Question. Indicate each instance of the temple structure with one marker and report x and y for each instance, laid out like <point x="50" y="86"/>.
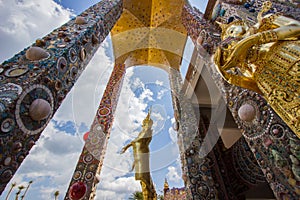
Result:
<point x="174" y="193"/>
<point x="251" y="153"/>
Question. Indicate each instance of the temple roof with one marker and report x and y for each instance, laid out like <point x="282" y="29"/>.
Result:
<point x="150" y="32"/>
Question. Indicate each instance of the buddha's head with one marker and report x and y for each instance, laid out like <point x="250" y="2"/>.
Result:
<point x="234" y="29"/>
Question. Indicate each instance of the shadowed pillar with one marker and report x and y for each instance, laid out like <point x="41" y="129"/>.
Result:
<point x="197" y="175"/>
<point x="274" y="145"/>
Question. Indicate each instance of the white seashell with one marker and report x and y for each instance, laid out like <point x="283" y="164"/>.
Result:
<point x="39" y="109"/>
<point x="36" y="53"/>
<point x="247" y="112"/>
<point x="80" y="20"/>
<point x="7" y="161"/>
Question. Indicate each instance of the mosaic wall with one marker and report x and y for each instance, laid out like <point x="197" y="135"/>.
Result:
<point x="274" y="145"/>
<point x="201" y="31"/>
<point x="196" y="168"/>
<point x="35" y="81"/>
<point x="228" y="11"/>
<point x="175" y="193"/>
<point x="87" y="171"/>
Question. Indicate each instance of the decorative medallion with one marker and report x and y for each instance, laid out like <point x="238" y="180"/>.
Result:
<point x="104" y="111"/>
<point x="203" y="190"/>
<point x="24" y="121"/>
<point x="89" y="176"/>
<point x="62" y="65"/>
<point x="6" y="175"/>
<point x="73" y="72"/>
<point x="93" y="167"/>
<point x="97" y="152"/>
<point x="88" y="158"/>
<point x="72" y="55"/>
<point x="77" y="175"/>
<point x="194" y="172"/>
<point x="254" y="116"/>
<point x="95" y="141"/>
<point x="7" y="125"/>
<point x="277" y="131"/>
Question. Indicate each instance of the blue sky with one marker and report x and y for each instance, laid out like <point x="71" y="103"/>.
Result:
<point x="78" y="5"/>
<point x="51" y="162"/>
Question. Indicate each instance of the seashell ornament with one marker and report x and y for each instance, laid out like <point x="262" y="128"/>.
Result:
<point x="247" y="112"/>
<point x="36" y="53"/>
<point x="80" y="20"/>
<point x="39" y="109"/>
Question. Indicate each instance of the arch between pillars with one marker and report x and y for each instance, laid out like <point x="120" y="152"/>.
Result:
<point x="102" y="131"/>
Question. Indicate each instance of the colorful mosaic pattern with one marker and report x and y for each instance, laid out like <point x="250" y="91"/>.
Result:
<point x="46" y="71"/>
<point x="274" y="145"/>
<point x="201" y="31"/>
<point x="175" y="193"/>
<point x="248" y="11"/>
<point x="91" y="159"/>
<point x="196" y="169"/>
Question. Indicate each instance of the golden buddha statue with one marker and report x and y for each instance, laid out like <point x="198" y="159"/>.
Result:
<point x="140" y="147"/>
<point x="265" y="58"/>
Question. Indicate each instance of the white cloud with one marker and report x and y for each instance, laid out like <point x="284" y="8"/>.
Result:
<point x="147" y="94"/>
<point x="50" y="164"/>
<point x="137" y="84"/>
<point x="85" y="96"/>
<point x="160" y="83"/>
<point x="161" y="93"/>
<point x="173" y="175"/>
<point x="22" y="22"/>
<point x="119" y="188"/>
<point x="158" y="116"/>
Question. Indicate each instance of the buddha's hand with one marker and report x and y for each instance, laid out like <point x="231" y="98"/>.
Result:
<point x="122" y="151"/>
<point x="125" y="148"/>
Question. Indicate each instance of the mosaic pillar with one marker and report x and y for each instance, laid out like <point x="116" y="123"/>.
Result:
<point x="273" y="144"/>
<point x="87" y="171"/>
<point x="34" y="82"/>
<point x="197" y="175"/>
<point x="229" y="11"/>
<point x="202" y="31"/>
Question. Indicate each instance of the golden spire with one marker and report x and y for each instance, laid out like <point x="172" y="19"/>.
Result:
<point x="147" y="119"/>
<point x="166" y="186"/>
